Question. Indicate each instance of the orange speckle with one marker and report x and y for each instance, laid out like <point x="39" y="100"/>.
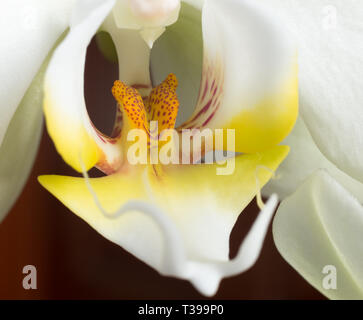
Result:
<point x="128" y="98"/>
<point x="162" y="104"/>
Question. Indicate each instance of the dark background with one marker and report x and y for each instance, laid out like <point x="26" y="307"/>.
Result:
<point x="74" y="262"/>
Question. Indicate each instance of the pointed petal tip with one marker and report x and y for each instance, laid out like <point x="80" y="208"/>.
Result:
<point x="208" y="287"/>
<point x="48" y="182"/>
<point x="205" y="277"/>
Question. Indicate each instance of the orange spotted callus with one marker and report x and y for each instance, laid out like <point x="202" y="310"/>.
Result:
<point x="162" y="104"/>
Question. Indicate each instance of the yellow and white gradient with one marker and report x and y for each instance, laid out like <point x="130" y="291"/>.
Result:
<point x="258" y="98"/>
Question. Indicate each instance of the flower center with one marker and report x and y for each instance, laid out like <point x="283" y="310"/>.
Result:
<point x="161" y="106"/>
<point x="154" y="115"/>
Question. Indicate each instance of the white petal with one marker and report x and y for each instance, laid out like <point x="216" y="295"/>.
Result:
<point x="305" y="158"/>
<point x="320" y="225"/>
<point x="65" y="111"/>
<point x="254" y="49"/>
<point x="207" y="276"/>
<point x="28" y="31"/>
<point x="330" y="36"/>
<point x="204" y="275"/>
<point x="249" y="76"/>
<point x="20" y="144"/>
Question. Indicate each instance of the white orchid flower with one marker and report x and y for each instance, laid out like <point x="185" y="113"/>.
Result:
<point x="176" y="218"/>
<point x="250" y="63"/>
<point x="321" y="223"/>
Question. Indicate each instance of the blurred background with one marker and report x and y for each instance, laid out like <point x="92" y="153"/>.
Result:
<point x="74" y="262"/>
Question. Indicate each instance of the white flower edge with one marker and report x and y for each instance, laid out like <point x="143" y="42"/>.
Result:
<point x="321" y="225"/>
<point x="174" y="261"/>
<point x="28" y="31"/>
<point x="28" y="28"/>
<point x="304" y="159"/>
<point x="20" y="144"/>
<point x="330" y="46"/>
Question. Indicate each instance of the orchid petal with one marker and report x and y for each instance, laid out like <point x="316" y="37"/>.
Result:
<point x="207" y="276"/>
<point x="330" y="38"/>
<point x="305" y="158"/>
<point x="28" y="31"/>
<point x="208" y="214"/>
<point x="65" y="111"/>
<point x="321" y="225"/>
<point x="31" y="26"/>
<point x="20" y="144"/>
<point x="202" y="206"/>
<point x="249" y="77"/>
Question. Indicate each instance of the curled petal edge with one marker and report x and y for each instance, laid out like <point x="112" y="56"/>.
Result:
<point x="205" y="276"/>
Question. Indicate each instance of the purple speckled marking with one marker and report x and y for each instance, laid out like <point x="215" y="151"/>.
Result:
<point x="210" y="93"/>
